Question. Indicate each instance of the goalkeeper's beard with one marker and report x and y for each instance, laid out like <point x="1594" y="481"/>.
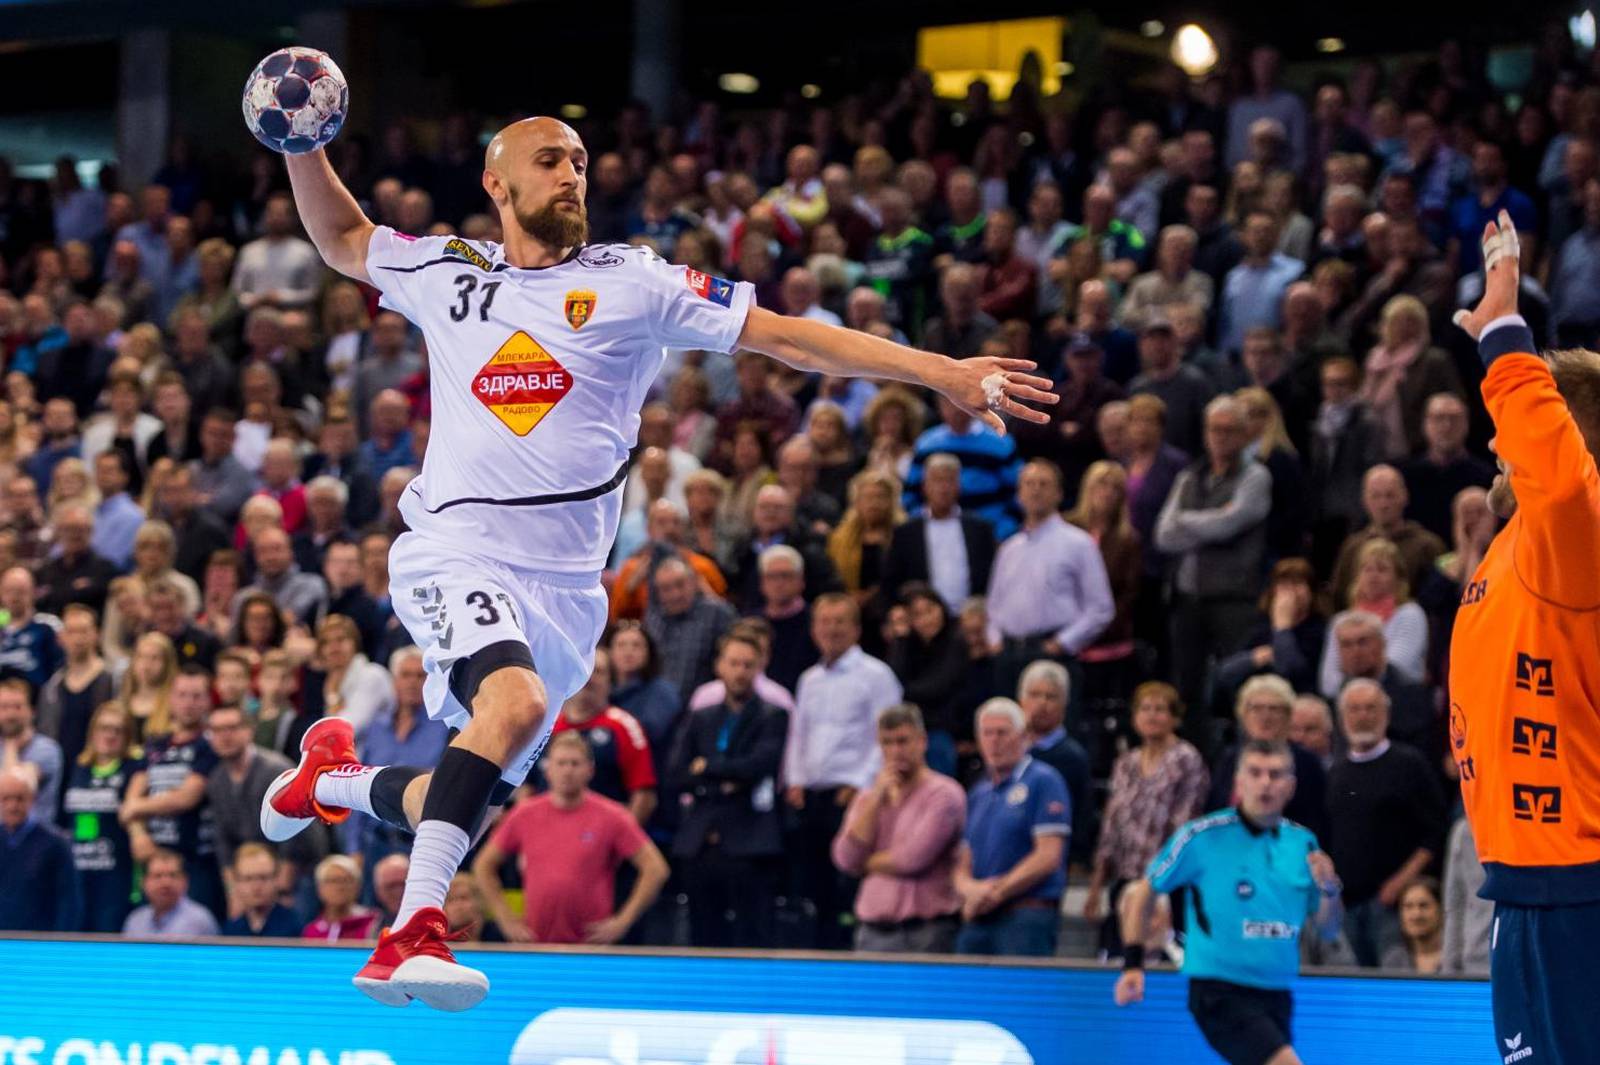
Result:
<point x="557" y="228"/>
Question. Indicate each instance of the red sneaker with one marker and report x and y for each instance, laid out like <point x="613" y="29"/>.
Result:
<point x="414" y="963"/>
<point x="291" y="802"/>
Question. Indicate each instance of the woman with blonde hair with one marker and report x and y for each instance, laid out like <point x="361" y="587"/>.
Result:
<point x="829" y="433"/>
<point x="215" y="297"/>
<point x="95" y="785"/>
<point x="704" y="491"/>
<point x="125" y="595"/>
<point x="147" y="686"/>
<point x="1289" y="520"/>
<point x="17" y="442"/>
<point x="1102" y="512"/>
<point x="859" y="545"/>
<point x="891" y="425"/>
<point x="1401" y="371"/>
<point x="1380" y="588"/>
<point x="353" y="687"/>
<point x="71" y="483"/>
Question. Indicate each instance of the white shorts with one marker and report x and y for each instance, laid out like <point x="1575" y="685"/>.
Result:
<point x="455" y="602"/>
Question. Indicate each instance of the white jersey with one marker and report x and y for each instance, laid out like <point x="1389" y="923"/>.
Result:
<point x="537" y="378"/>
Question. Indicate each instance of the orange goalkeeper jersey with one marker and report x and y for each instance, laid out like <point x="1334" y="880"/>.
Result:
<point x="1525" y="657"/>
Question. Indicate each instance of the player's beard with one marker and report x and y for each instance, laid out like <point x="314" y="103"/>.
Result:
<point x="1502" y="501"/>
<point x="553" y="226"/>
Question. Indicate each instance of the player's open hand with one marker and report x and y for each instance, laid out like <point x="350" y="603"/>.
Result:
<point x="1502" y="273"/>
<point x="1130" y="987"/>
<point x="988" y="387"/>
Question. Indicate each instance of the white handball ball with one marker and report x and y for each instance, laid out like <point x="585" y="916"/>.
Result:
<point x="295" y="100"/>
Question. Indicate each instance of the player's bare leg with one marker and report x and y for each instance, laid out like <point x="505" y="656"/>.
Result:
<point x="1285" y="1056"/>
<point x="446" y="808"/>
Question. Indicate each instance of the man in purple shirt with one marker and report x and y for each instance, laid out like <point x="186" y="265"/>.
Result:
<point x="1049" y="596"/>
<point x="902" y="835"/>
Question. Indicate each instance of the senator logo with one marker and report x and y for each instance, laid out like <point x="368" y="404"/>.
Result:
<point x="521" y="383"/>
<point x="1533" y="737"/>
<point x="1530" y="802"/>
<point x="570" y="1036"/>
<point x="579" y="307"/>
<point x="462" y="250"/>
<point x="1536" y="675"/>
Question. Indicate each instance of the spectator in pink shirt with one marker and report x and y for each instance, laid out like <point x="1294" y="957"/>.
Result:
<point x="902" y="834"/>
<point x="338" y="886"/>
<point x="715" y="692"/>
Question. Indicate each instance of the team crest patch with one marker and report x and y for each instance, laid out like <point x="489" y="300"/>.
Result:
<point x="462" y="250"/>
<point x="521" y="383"/>
<point x="579" y="307"/>
<point x="715" y="289"/>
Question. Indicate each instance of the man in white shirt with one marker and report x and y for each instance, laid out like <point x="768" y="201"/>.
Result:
<point x="1049" y="596"/>
<point x="280" y="269"/>
<point x="950" y="550"/>
<point x="832" y="753"/>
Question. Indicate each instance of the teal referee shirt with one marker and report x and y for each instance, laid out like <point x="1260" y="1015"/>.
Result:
<point x="1250" y="894"/>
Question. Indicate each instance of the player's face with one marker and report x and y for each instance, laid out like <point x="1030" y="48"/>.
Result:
<point x="1265" y="784"/>
<point x="544" y="182"/>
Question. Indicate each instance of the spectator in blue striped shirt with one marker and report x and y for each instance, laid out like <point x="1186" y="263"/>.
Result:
<point x="989" y="466"/>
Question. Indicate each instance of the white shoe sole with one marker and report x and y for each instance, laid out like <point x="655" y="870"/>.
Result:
<point x="431" y="981"/>
<point x="278" y="827"/>
<point x="275" y="826"/>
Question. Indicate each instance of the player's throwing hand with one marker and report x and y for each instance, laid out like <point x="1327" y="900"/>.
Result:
<point x="988" y="387"/>
<point x="1130" y="987"/>
<point x="1502" y="274"/>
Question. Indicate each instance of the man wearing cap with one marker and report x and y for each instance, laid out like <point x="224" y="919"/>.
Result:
<point x="1184" y="389"/>
<point x="1069" y="439"/>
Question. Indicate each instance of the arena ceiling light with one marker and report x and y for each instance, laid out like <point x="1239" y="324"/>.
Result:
<point x="1152" y="27"/>
<point x="1193" y="50"/>
<point x="739" y="84"/>
<point x="1582" y="29"/>
<point x="1330" y="45"/>
<point x="574" y="111"/>
<point x="811" y="90"/>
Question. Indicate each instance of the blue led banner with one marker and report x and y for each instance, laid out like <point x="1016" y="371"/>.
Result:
<point x="101" y="1003"/>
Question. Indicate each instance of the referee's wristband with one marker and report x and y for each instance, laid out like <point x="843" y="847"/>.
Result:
<point x="1133" y="956"/>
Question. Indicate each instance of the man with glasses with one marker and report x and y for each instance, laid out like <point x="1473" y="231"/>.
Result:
<point x="255" y="876"/>
<point x="1264" y="710"/>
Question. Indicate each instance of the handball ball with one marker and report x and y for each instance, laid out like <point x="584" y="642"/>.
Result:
<point x="295" y="100"/>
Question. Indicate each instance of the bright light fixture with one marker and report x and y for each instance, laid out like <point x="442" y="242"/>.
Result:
<point x="1193" y="50"/>
<point x="810" y="90"/>
<point x="1582" y="29"/>
<point x="741" y="84"/>
<point x="1329" y="45"/>
<point x="574" y="111"/>
<point x="1152" y="27"/>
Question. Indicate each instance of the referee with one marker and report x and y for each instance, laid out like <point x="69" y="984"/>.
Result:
<point x="1254" y="879"/>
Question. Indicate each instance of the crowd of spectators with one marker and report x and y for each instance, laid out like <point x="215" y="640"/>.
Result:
<point x="876" y="673"/>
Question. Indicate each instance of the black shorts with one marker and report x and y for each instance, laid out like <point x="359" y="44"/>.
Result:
<point x="1246" y="1025"/>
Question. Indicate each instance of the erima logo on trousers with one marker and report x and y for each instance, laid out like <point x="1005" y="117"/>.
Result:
<point x="1518" y="1051"/>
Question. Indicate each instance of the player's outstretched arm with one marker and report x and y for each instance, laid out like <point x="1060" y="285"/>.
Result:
<point x="984" y="387"/>
<point x="332" y="217"/>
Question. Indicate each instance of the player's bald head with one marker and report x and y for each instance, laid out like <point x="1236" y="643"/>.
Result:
<point x="524" y="136"/>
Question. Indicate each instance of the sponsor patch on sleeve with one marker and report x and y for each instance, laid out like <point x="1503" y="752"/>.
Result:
<point x="715" y="289"/>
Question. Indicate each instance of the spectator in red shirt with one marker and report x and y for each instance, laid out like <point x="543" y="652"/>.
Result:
<point x="280" y="468"/>
<point x="623" y="769"/>
<point x="576" y="840"/>
<point x="1008" y="283"/>
<point x="338" y="886"/>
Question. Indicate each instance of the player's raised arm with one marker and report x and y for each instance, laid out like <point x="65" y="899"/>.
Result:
<point x="333" y="219"/>
<point x="983" y="387"/>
